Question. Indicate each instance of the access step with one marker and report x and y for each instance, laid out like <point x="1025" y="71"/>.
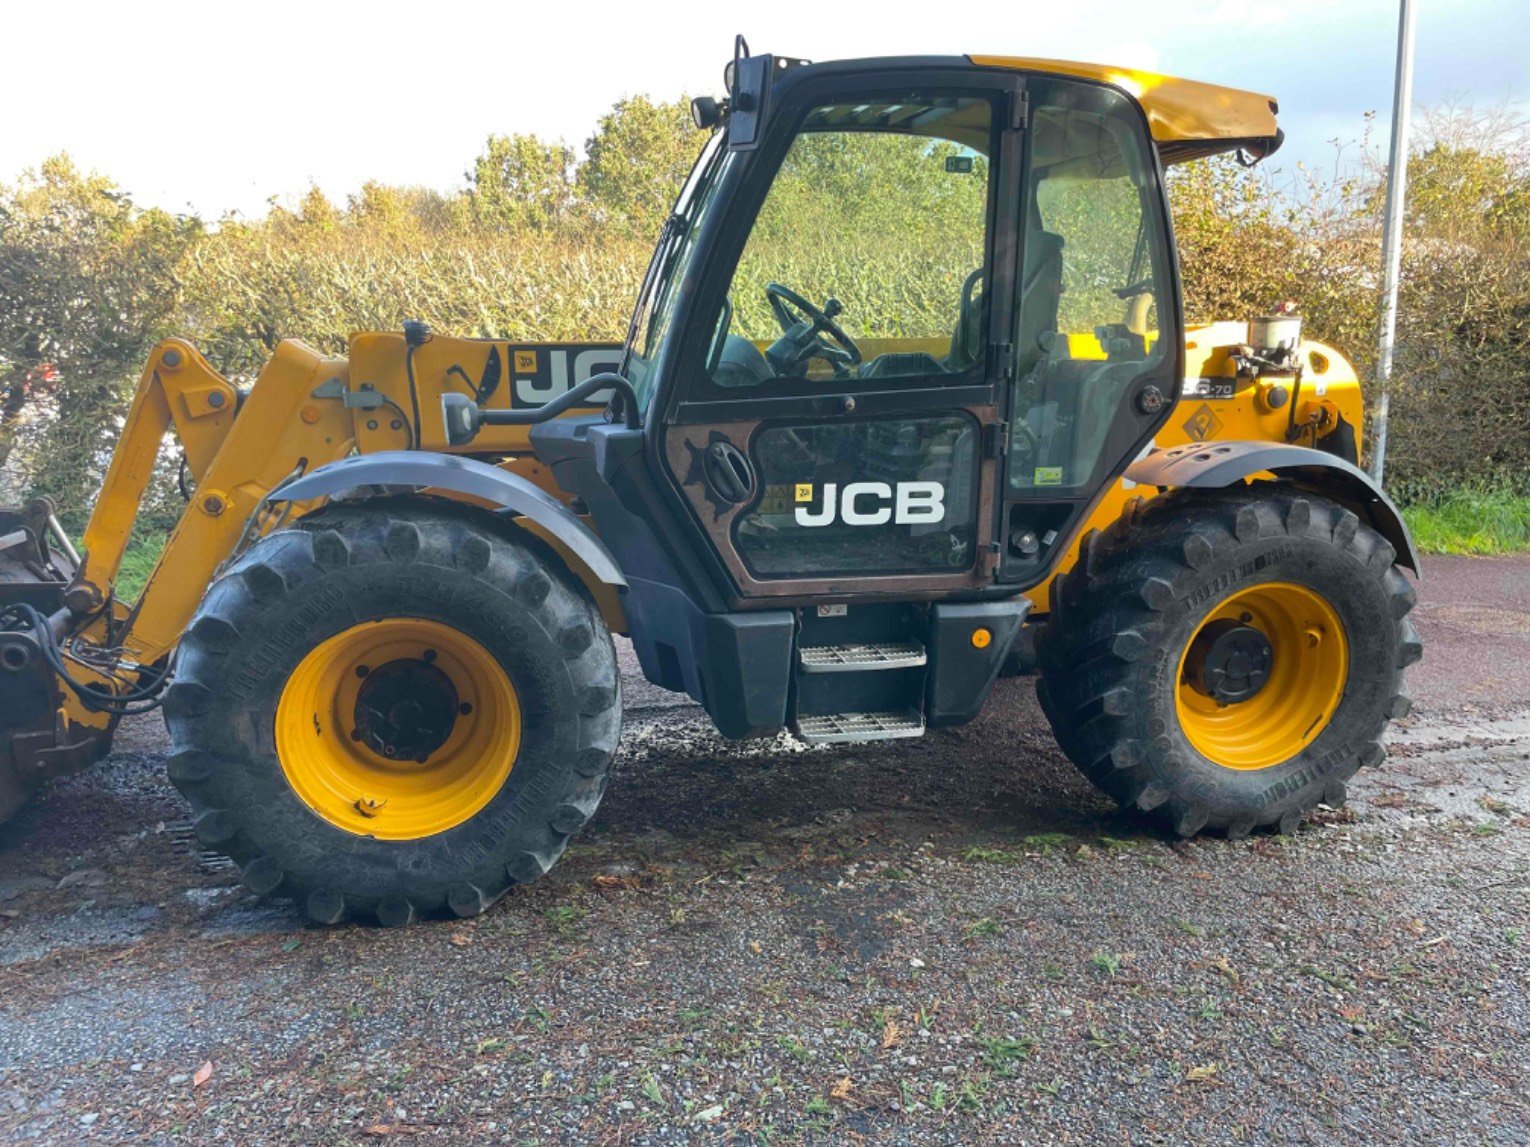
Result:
<point x="858" y="656"/>
<point x="842" y="728"/>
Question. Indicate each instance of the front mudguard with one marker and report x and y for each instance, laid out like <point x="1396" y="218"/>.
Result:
<point x="425" y="470"/>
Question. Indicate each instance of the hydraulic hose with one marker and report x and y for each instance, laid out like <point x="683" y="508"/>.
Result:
<point x="143" y="699"/>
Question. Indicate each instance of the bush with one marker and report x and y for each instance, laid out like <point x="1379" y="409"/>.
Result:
<point x="1461" y="406"/>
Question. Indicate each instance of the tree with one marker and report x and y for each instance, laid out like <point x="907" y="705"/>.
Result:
<point x="520" y="181"/>
<point x="396" y="210"/>
<point x="635" y="164"/>
<point x="88" y="283"/>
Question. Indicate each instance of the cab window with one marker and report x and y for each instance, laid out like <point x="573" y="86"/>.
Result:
<point x="653" y="323"/>
<point x="865" y="261"/>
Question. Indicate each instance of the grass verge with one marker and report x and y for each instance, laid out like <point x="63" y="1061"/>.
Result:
<point x="1471" y="522"/>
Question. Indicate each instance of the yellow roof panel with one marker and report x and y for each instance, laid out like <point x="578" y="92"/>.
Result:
<point x="1178" y="111"/>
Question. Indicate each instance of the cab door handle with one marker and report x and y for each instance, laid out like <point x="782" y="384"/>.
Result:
<point x="728" y="472"/>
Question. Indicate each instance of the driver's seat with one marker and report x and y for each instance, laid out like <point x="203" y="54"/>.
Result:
<point x="1040" y="301"/>
<point x="741" y="364"/>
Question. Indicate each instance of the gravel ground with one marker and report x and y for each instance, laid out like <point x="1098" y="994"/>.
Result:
<point x="945" y="941"/>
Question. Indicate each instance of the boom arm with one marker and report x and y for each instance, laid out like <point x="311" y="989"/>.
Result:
<point x="281" y="430"/>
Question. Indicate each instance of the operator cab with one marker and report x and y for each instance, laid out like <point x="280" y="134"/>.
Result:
<point x="908" y="321"/>
<point x="914" y="271"/>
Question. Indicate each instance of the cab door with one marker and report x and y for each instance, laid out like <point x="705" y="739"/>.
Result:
<point x="1098" y="348"/>
<point x="835" y="423"/>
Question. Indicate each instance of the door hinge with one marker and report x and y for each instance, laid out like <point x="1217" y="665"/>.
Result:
<point x="988" y="559"/>
<point x="1003" y="360"/>
<point x="1019" y="110"/>
<point x="996" y="440"/>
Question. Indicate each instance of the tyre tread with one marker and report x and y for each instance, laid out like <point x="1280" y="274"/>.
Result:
<point x="1104" y="612"/>
<point x="399" y="532"/>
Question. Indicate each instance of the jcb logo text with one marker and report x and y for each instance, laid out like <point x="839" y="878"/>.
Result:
<point x="876" y="504"/>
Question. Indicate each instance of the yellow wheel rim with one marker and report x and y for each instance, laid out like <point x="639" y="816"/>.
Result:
<point x="1306" y="668"/>
<point x="397" y="729"/>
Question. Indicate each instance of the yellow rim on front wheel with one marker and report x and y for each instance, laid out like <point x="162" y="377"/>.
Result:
<point x="1262" y="675"/>
<point x="398" y="729"/>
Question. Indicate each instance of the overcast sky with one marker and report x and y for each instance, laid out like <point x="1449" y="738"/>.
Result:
<point x="216" y="105"/>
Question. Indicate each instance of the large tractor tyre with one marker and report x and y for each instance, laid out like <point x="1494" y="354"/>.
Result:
<point x="1228" y="659"/>
<point x="394" y="708"/>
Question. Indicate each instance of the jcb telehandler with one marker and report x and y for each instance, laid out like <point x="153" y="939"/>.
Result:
<point x="906" y="395"/>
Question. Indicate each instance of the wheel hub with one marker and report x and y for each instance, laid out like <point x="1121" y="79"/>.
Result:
<point x="405" y="709"/>
<point x="1230" y="661"/>
<point x="398" y="729"/>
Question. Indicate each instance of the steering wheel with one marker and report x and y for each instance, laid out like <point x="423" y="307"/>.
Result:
<point x="820" y="319"/>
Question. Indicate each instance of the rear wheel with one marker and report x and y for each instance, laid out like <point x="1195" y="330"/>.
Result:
<point x="394" y="709"/>
<point x="1228" y="659"/>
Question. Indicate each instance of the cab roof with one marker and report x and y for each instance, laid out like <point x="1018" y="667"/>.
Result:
<point x="1188" y="119"/>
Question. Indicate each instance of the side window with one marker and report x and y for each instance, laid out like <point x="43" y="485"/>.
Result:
<point x="866" y="258"/>
<point x="1095" y="267"/>
<point x="653" y="324"/>
<point x="1107" y="287"/>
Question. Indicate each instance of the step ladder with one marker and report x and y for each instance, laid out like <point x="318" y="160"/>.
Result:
<point x="849" y="728"/>
<point x="858" y="691"/>
<point x="857" y="656"/>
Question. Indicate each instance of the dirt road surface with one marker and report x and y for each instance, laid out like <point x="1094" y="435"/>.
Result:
<point x="953" y="940"/>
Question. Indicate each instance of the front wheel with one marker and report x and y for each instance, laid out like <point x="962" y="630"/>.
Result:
<point x="394" y="709"/>
<point x="1228" y="659"/>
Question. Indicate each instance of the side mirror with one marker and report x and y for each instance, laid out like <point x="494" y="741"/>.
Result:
<point x="749" y="81"/>
<point x="748" y="92"/>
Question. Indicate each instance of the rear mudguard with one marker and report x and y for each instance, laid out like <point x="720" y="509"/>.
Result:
<point x="465" y="476"/>
<point x="1209" y="466"/>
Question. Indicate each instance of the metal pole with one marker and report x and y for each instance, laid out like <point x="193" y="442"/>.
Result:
<point x="1392" y="231"/>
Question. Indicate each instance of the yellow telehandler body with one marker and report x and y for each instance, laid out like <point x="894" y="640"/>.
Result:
<point x="381" y="630"/>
